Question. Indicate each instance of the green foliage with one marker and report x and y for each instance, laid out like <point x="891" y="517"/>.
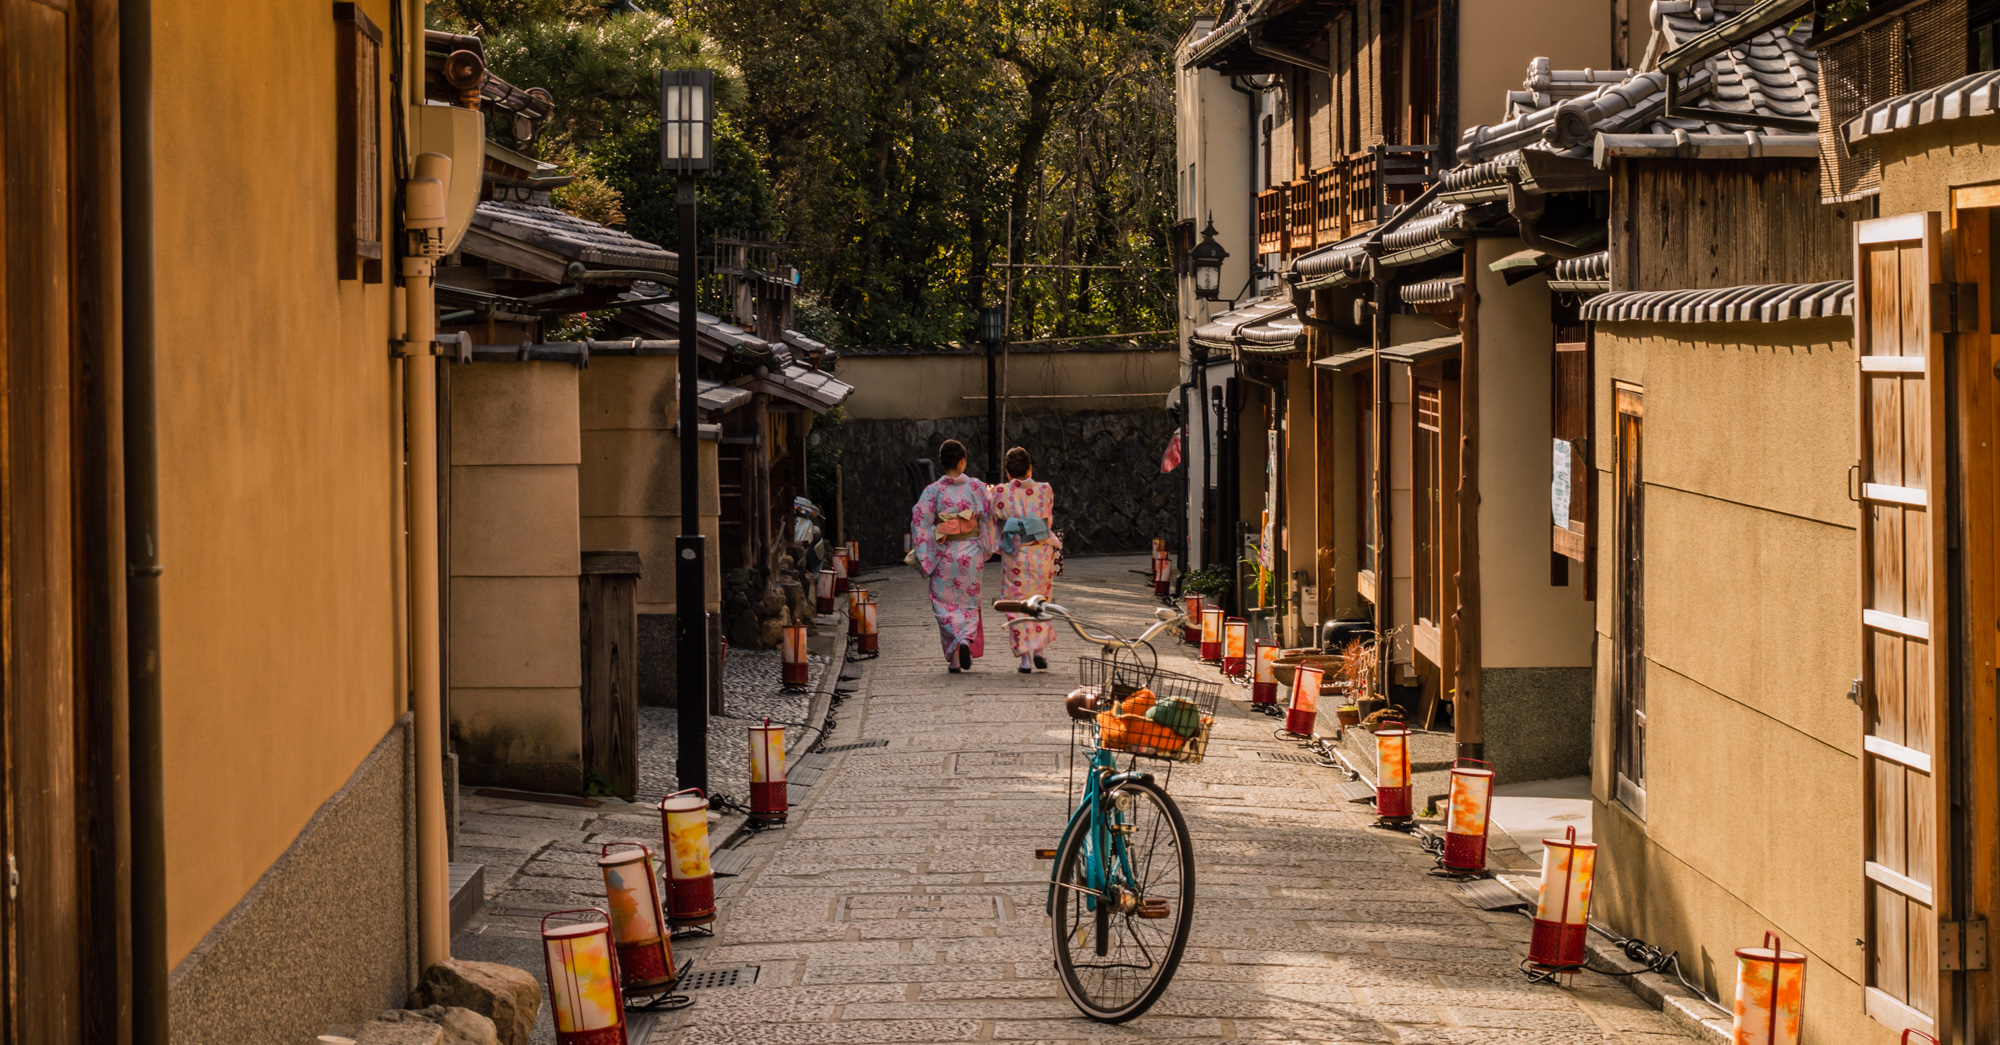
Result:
<point x="1213" y="580"/>
<point x="735" y="195"/>
<point x="823" y="458"/>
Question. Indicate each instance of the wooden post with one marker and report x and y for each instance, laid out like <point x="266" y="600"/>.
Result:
<point x="1385" y="572"/>
<point x="609" y="592"/>
<point x="1466" y="724"/>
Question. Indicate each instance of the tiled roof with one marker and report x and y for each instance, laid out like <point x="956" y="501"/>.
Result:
<point x="1434" y="292"/>
<point x="571" y="237"/>
<point x="1270" y="323"/>
<point x="662" y="320"/>
<point x="1587" y="274"/>
<point x="1768" y="303"/>
<point x="815" y="390"/>
<point x="1771" y="74"/>
<point x="1960" y="99"/>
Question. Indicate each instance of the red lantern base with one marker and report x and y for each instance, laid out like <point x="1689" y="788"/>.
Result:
<point x="1263" y="693"/>
<point x="1232" y="666"/>
<point x="646" y="966"/>
<point x="870" y="644"/>
<point x="1392" y="801"/>
<point x="823" y="606"/>
<point x="768" y="800"/>
<point x="1160" y="588"/>
<point x="796" y="675"/>
<point x="600" y="1036"/>
<point x="1300" y="722"/>
<point x="1211" y="652"/>
<point x="1556" y="945"/>
<point x="840" y="585"/>
<point x="691" y="898"/>
<point x="1464" y="852"/>
<point x="1191" y="635"/>
<point x="854" y="627"/>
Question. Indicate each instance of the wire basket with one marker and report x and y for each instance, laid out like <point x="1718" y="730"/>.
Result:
<point x="1149" y="712"/>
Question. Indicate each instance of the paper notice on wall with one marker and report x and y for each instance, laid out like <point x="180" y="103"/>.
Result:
<point x="1559" y="487"/>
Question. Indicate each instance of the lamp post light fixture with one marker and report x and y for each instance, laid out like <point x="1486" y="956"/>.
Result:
<point x="1205" y="260"/>
<point x="687" y="150"/>
<point x="992" y="334"/>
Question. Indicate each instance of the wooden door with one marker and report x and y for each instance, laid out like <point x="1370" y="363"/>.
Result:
<point x="1628" y="666"/>
<point x="1904" y="684"/>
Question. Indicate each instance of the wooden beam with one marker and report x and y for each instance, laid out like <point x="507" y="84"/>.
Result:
<point x="1467" y="722"/>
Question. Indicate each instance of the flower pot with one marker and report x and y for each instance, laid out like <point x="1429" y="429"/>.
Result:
<point x="1348" y="714"/>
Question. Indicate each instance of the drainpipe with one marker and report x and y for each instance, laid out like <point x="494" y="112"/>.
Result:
<point x="1466" y="718"/>
<point x="424" y="221"/>
<point x="140" y="420"/>
<point x="1385" y="560"/>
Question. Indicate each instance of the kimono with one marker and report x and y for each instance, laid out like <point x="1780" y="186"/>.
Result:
<point x="951" y="537"/>
<point x="1022" y="508"/>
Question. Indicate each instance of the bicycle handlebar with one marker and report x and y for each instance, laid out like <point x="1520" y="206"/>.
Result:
<point x="1038" y="606"/>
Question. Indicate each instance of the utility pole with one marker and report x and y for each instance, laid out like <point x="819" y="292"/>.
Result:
<point x="686" y="147"/>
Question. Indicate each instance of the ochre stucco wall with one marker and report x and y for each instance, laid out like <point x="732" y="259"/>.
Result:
<point x="276" y="411"/>
<point x="922" y="386"/>
<point x="1751" y="615"/>
<point x="1496" y="40"/>
<point x="1921" y="166"/>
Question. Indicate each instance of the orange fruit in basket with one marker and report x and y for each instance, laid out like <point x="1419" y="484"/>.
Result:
<point x="1110" y="731"/>
<point x="1136" y="705"/>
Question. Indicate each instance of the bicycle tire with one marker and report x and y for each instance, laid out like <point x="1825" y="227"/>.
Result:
<point x="1070" y="909"/>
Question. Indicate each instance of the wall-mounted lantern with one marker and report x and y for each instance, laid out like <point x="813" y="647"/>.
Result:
<point x="1206" y="260"/>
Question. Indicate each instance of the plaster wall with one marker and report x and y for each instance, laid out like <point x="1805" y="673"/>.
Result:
<point x="1340" y="495"/>
<point x="1920" y="166"/>
<point x="1751" y="599"/>
<point x="1525" y="622"/>
<point x="1212" y="150"/>
<point x="279" y="649"/>
<point x="1495" y="41"/>
<point x="514" y="652"/>
<point x="945" y="383"/>
<point x="1301" y="525"/>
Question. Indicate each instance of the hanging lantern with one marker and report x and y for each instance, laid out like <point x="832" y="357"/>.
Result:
<point x="1264" y="674"/>
<point x="638" y="925"/>
<point x="823" y="591"/>
<point x="767" y="771"/>
<point x="1770" y="992"/>
<point x="1465" y="819"/>
<point x="840" y="571"/>
<point x="855" y="597"/>
<point x="869" y="641"/>
<point x="1392" y="770"/>
<point x="583" y="980"/>
<point x="690" y="881"/>
<point x="1211" y="634"/>
<point x="1163" y="575"/>
<point x="1235" y="654"/>
<point x="796" y="673"/>
<point x="1304" y="709"/>
<point x="1564" y="904"/>
<point x="1191" y="621"/>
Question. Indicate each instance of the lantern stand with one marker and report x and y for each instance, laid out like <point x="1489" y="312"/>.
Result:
<point x="1191" y="619"/>
<point x="1302" y="712"/>
<point x="1562" y="908"/>
<point x="691" y="878"/>
<point x="1461" y="853"/>
<point x="868" y="644"/>
<point x="581" y="964"/>
<point x="1235" y="658"/>
<point x="1392" y="776"/>
<point x="1770" y="994"/>
<point x="639" y="932"/>
<point x="795" y="670"/>
<point x="769" y="802"/>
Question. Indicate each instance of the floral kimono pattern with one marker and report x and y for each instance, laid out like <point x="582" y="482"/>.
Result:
<point x="951" y="537"/>
<point x="1027" y="557"/>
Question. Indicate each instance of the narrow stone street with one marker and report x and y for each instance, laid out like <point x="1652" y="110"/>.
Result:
<point x="904" y="903"/>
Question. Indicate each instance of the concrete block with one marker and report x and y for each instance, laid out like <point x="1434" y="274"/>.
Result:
<point x="511" y="632"/>
<point x="506" y="995"/>
<point x="514" y="521"/>
<point x="514" y="413"/>
<point x="619" y="392"/>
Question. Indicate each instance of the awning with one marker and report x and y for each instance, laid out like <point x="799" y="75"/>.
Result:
<point x="714" y="397"/>
<point x="1767" y="303"/>
<point x="1590" y="274"/>
<point x="1434" y="292"/>
<point x="1241" y="327"/>
<point x="1965" y="97"/>
<point x="1347" y="362"/>
<point x="815" y="390"/>
<point x="1415" y="352"/>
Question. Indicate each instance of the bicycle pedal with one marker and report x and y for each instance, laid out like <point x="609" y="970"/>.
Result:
<point x="1154" y="909"/>
<point x="1045" y="854"/>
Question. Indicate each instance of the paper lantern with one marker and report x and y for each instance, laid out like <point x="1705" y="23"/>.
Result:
<point x="823" y="591"/>
<point x="796" y="673"/>
<point x="1211" y="634"/>
<point x="840" y="571"/>
<point x="1560" y="912"/>
<point x="1235" y="647"/>
<point x="853" y="554"/>
<point x="1770" y="993"/>
<point x="1304" y="708"/>
<point x="767" y="771"/>
<point x="1163" y="574"/>
<point x="1392" y="770"/>
<point x="1465" y="819"/>
<point x="690" y="879"/>
<point x="855" y="597"/>
<point x="1264" y="675"/>
<point x="870" y="640"/>
<point x="638" y="920"/>
<point x="1191" y="619"/>
<point x="583" y="979"/>
<point x="1159" y="547"/>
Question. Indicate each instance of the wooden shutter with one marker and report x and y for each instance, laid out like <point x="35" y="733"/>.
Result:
<point x="358" y="64"/>
<point x="1903" y="674"/>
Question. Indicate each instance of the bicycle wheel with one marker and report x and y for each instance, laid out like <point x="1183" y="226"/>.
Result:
<point x="1117" y="955"/>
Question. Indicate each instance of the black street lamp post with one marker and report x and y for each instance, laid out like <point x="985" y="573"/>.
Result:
<point x="992" y="334"/>
<point x="687" y="132"/>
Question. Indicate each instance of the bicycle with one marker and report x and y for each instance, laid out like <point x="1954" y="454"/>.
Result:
<point x="1121" y="892"/>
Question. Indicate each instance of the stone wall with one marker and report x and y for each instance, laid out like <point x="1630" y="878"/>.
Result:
<point x="1105" y="467"/>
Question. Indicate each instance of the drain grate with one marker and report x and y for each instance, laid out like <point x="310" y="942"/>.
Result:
<point x="855" y="746"/>
<point x="1356" y="790"/>
<point x="803" y="776"/>
<point x="729" y="863"/>
<point x="1286" y="756"/>
<point x="1489" y="894"/>
<point x="710" y="979"/>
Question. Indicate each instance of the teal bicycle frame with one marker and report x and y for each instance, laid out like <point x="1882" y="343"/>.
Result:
<point x="1102" y="779"/>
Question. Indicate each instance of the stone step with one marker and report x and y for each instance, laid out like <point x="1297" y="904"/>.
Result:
<point x="468" y="893"/>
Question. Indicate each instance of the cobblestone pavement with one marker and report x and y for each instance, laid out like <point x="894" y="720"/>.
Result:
<point x="751" y="690"/>
<point x="904" y="903"/>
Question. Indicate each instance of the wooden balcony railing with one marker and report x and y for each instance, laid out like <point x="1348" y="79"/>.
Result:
<point x="1299" y="215"/>
<point x="1271" y="221"/>
<point x="1345" y="197"/>
<point x="1329" y="188"/>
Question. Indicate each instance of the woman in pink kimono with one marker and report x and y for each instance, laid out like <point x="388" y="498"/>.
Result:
<point x="1022" y="509"/>
<point x="951" y="537"/>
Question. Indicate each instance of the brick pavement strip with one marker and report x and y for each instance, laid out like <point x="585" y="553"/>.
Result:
<point x="903" y="902"/>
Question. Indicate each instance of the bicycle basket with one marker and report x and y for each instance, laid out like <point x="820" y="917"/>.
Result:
<point x="1153" y="713"/>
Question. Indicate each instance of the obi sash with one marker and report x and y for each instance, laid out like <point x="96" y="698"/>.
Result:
<point x="1023" y="529"/>
<point x="957" y="526"/>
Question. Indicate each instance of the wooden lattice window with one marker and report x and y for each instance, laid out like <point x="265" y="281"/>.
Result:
<point x="358" y="101"/>
<point x="1573" y="479"/>
<point x="1628" y="669"/>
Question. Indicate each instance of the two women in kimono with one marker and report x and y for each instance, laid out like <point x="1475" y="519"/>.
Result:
<point x="956" y="526"/>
